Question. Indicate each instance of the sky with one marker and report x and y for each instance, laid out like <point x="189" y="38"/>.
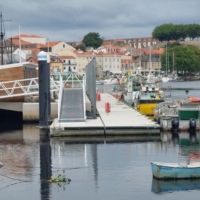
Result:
<point x="71" y="20"/>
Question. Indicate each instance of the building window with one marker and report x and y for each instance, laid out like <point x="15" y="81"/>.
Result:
<point x="63" y="45"/>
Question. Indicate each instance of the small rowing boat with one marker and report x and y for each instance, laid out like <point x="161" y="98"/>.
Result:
<point x="175" y="171"/>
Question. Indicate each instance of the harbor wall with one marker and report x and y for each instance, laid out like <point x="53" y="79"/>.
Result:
<point x="30" y="110"/>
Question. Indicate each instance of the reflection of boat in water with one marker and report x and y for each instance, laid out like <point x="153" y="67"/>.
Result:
<point x="161" y="186"/>
<point x="175" y="170"/>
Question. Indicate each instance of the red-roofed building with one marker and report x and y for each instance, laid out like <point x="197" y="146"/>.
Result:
<point x="31" y="38"/>
<point x="55" y="47"/>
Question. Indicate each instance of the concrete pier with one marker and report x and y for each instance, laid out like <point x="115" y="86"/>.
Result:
<point x="122" y="120"/>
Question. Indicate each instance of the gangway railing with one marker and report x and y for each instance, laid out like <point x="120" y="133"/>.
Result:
<point x="30" y="86"/>
<point x="72" y="81"/>
<point x="24" y="87"/>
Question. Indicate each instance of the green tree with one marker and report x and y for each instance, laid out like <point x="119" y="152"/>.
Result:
<point x="81" y="47"/>
<point x="92" y="39"/>
<point x="183" y="58"/>
<point x="193" y="30"/>
<point x="166" y="32"/>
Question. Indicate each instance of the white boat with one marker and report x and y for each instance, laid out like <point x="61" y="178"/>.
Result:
<point x="111" y="81"/>
<point x="99" y="82"/>
<point x="165" y="79"/>
<point x="175" y="171"/>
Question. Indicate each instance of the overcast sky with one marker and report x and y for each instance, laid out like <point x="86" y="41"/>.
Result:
<point x="70" y="20"/>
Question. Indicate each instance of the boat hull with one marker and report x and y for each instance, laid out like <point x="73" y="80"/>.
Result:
<point x="182" y="171"/>
<point x="188" y="114"/>
<point x="147" y="107"/>
<point x="99" y="83"/>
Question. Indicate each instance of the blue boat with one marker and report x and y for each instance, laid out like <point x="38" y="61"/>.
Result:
<point x="162" y="186"/>
<point x="175" y="171"/>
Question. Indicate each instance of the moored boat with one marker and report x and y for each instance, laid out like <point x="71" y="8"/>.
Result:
<point x="185" y="111"/>
<point x="166" y="110"/>
<point x="175" y="171"/>
<point x="111" y="81"/>
<point x="100" y="82"/>
<point x="148" y="98"/>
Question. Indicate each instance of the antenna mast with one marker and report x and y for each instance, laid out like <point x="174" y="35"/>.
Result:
<point x="2" y="34"/>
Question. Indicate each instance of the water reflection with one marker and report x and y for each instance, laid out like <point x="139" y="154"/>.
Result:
<point x="94" y="164"/>
<point x="45" y="165"/>
<point x="161" y="186"/>
<point x="171" y="137"/>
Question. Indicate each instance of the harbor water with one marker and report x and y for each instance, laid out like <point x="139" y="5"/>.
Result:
<point x="101" y="168"/>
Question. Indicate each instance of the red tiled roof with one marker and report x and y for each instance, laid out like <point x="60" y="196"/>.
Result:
<point x="153" y="51"/>
<point x="16" y="42"/>
<point x="27" y="36"/>
<point x="33" y="59"/>
<point x="67" y="57"/>
<point x="49" y="44"/>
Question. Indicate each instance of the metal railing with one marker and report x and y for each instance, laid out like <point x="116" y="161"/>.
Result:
<point x="30" y="86"/>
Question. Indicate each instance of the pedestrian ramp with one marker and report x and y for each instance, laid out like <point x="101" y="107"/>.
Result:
<point x="72" y="106"/>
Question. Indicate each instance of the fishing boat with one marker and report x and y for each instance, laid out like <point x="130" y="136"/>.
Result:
<point x="186" y="111"/>
<point x="149" y="96"/>
<point x="131" y="91"/>
<point x="175" y="171"/>
<point x="166" y="110"/>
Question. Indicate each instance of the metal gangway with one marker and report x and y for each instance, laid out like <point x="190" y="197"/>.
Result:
<point x="72" y="100"/>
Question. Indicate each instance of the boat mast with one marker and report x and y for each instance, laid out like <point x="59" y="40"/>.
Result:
<point x="166" y="58"/>
<point x="173" y="62"/>
<point x="2" y="34"/>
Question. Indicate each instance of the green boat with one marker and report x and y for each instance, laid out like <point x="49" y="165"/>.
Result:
<point x="188" y="110"/>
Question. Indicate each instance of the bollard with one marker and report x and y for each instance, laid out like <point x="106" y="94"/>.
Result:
<point x="43" y="89"/>
<point x="98" y="97"/>
<point x="107" y="107"/>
